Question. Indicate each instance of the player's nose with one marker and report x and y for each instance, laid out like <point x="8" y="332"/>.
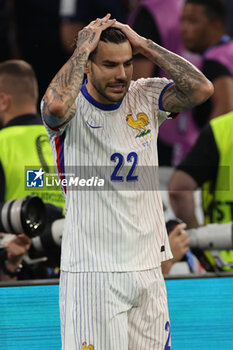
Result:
<point x="121" y="73"/>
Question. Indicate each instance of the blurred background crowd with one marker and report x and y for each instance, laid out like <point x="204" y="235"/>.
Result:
<point x="195" y="149"/>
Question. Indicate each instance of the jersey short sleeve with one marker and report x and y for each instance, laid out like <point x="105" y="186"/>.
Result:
<point x="151" y="91"/>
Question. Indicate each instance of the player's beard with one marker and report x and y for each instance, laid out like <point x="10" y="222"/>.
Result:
<point x="113" y="98"/>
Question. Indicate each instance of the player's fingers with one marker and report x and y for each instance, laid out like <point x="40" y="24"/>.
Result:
<point x="121" y="26"/>
<point x="96" y="21"/>
<point x="100" y="21"/>
<point x="106" y="18"/>
<point x="109" y="23"/>
<point x="118" y="24"/>
<point x="91" y="23"/>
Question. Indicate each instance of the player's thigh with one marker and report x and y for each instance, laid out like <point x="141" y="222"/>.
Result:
<point x="149" y="325"/>
<point x="92" y="313"/>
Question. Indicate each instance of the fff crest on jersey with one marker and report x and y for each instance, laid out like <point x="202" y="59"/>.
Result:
<point x="140" y="122"/>
<point x="89" y="347"/>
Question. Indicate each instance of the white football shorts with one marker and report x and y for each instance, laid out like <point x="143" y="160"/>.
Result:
<point x="114" y="311"/>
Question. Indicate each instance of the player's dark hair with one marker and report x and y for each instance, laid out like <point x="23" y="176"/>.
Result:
<point x="215" y="9"/>
<point x="112" y="35"/>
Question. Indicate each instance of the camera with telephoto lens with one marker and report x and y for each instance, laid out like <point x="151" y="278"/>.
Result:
<point x="25" y="215"/>
<point x="50" y="239"/>
<point x="212" y="237"/>
<point x="43" y="222"/>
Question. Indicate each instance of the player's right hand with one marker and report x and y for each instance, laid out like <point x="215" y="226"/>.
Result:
<point x="89" y="36"/>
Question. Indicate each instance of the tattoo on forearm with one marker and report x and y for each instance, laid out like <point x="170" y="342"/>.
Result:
<point x="66" y="85"/>
<point x="92" y="37"/>
<point x="83" y="36"/>
<point x="186" y="77"/>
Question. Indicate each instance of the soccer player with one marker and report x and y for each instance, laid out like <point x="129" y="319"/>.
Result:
<point x="112" y="292"/>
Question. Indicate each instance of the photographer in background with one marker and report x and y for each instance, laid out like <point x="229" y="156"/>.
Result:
<point x="12" y="266"/>
<point x="186" y="247"/>
<point x="23" y="143"/>
<point x="12" y="257"/>
<point x="16" y="263"/>
<point x="23" y="138"/>
<point x="209" y="166"/>
<point x="179" y="243"/>
<point x="34" y="254"/>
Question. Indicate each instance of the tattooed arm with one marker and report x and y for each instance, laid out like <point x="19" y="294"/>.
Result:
<point x="191" y="86"/>
<point x="58" y="105"/>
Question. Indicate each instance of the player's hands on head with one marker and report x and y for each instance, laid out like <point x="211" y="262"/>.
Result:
<point x="89" y="36"/>
<point x="135" y="39"/>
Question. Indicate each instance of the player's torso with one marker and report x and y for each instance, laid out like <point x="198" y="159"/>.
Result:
<point x="119" y="227"/>
<point x="95" y="135"/>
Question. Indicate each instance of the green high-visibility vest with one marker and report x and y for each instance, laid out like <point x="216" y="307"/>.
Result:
<point x="217" y="197"/>
<point x="25" y="147"/>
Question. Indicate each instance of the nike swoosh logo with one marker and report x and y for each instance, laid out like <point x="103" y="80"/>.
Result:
<point x="93" y="127"/>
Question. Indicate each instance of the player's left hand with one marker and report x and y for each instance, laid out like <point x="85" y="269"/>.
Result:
<point x="137" y="41"/>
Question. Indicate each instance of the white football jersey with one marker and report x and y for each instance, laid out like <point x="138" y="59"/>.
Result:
<point x="117" y="223"/>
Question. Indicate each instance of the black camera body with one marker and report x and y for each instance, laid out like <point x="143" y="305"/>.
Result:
<point x="25" y="215"/>
<point x="43" y="222"/>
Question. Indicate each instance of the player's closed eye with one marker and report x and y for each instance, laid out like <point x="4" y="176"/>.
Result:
<point x="110" y="64"/>
<point x="128" y="63"/>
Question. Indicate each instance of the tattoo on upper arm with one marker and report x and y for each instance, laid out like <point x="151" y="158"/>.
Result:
<point x="181" y="95"/>
<point x="175" y="100"/>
